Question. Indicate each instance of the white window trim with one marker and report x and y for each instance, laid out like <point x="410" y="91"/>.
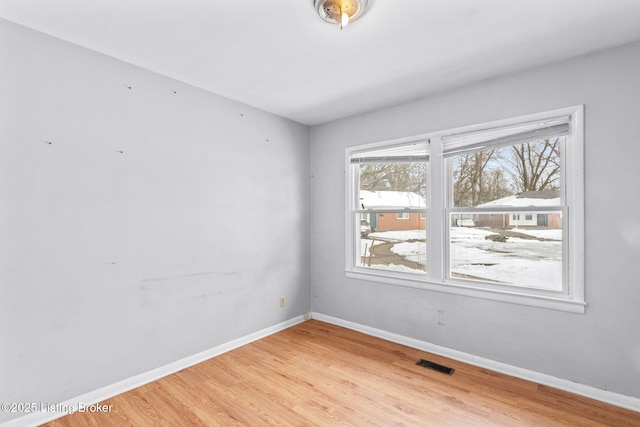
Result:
<point x="573" y="300"/>
<point x="400" y="216"/>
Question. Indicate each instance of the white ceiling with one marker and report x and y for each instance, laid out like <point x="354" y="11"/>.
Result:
<point x="281" y="57"/>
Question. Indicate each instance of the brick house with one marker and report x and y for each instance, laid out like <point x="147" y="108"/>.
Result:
<point x="522" y="219"/>
<point x="393" y="200"/>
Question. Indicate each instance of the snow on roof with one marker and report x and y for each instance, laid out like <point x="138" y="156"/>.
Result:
<point x="528" y="198"/>
<point x="391" y="199"/>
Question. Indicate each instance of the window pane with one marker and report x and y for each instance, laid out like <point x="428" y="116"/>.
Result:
<point x="389" y="243"/>
<point x="495" y="248"/>
<point x="508" y="176"/>
<point x="392" y="185"/>
<point x="394" y="239"/>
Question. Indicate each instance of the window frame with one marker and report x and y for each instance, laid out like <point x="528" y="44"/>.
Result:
<point x="571" y="299"/>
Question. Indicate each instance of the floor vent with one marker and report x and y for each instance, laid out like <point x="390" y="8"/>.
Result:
<point x="435" y="367"/>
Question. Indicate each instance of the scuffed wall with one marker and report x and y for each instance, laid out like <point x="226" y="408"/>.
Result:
<point x="141" y="220"/>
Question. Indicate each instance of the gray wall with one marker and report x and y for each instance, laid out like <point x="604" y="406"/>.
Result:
<point x="600" y="348"/>
<point x="112" y="264"/>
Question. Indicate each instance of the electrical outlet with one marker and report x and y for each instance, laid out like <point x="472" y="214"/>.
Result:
<point x="281" y="301"/>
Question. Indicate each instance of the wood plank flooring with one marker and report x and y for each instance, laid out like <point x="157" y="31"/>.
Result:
<point x="317" y="374"/>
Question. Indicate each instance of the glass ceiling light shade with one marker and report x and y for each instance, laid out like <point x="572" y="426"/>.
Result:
<point x="340" y="12"/>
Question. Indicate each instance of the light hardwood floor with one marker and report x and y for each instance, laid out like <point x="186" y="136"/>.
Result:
<point x="317" y="374"/>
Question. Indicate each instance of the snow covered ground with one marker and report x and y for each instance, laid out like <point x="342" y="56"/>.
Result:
<point x="527" y="262"/>
<point x="553" y="234"/>
<point x="411" y="251"/>
<point x="403" y="235"/>
<point x="365" y="244"/>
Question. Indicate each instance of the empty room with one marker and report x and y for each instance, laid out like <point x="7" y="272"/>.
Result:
<point x="319" y="212"/>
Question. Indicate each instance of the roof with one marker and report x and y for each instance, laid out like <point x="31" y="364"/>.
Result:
<point x="527" y="198"/>
<point x="391" y="199"/>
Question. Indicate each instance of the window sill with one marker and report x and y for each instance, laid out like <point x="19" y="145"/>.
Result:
<point x="420" y="282"/>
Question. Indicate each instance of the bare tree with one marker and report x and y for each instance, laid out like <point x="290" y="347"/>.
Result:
<point x="478" y="177"/>
<point x="535" y="166"/>
<point x="472" y="183"/>
<point x="498" y="185"/>
<point x="410" y="177"/>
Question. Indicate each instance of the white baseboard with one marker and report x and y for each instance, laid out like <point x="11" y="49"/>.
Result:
<point x="101" y="394"/>
<point x="616" y="399"/>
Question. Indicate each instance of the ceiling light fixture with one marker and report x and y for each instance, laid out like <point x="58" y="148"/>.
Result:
<point x="340" y="12"/>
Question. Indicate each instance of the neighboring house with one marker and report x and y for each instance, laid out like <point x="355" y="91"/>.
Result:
<point x="393" y="200"/>
<point x="522" y="219"/>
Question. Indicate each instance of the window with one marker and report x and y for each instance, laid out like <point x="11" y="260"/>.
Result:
<point x="492" y="211"/>
<point x="389" y="185"/>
